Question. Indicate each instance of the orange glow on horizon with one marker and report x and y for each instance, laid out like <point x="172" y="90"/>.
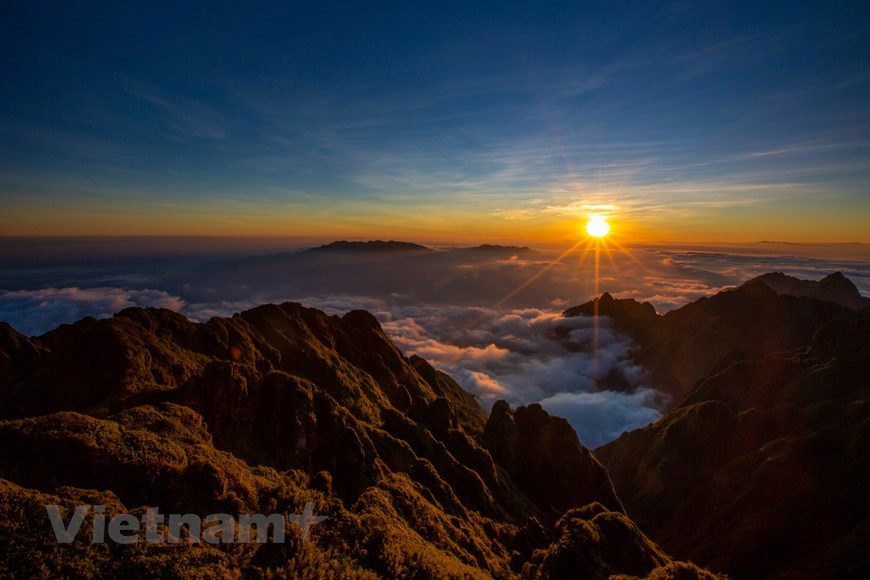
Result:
<point x="432" y="223"/>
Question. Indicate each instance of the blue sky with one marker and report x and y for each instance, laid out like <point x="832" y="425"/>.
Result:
<point x="683" y="120"/>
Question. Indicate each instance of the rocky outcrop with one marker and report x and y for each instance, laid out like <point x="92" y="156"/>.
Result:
<point x="639" y="319"/>
<point x="596" y="543"/>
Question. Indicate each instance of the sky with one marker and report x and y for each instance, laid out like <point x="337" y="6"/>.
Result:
<point x="453" y="121"/>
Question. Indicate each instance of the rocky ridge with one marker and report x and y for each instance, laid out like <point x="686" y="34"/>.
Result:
<point x="760" y="469"/>
<point x="277" y="407"/>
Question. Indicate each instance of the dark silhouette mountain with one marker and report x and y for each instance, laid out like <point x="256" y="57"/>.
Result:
<point x="495" y="250"/>
<point x="762" y="470"/>
<point x="396" y="246"/>
<point x="638" y="319"/>
<point x="272" y="409"/>
<point x="530" y="442"/>
<point x="834" y="288"/>
<point x="408" y="273"/>
<point x="685" y="344"/>
<point x="380" y="246"/>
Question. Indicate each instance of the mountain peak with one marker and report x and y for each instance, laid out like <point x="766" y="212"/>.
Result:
<point x="371" y="246"/>
<point x="834" y="287"/>
<point x="629" y="315"/>
<point x="772" y="312"/>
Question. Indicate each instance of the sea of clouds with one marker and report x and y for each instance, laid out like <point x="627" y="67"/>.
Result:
<point x="534" y="356"/>
<point x="33" y="312"/>
<point x="522" y="351"/>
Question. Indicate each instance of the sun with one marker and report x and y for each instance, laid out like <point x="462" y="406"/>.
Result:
<point x="597" y="226"/>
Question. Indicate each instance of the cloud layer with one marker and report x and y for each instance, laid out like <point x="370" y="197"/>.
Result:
<point x="34" y="312"/>
<point x="534" y="356"/>
<point x="521" y="355"/>
<point x="441" y="306"/>
<point x="525" y="356"/>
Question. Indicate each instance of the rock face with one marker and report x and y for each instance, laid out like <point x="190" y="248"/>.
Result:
<point x="761" y="470"/>
<point x="546" y="460"/>
<point x="269" y="410"/>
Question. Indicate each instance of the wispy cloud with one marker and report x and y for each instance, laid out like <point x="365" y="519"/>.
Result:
<point x="187" y="117"/>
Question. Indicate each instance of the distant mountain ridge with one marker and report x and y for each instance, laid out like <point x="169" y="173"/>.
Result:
<point x="375" y="246"/>
<point x="404" y="271"/>
<point x="370" y="246"/>
<point x="495" y="249"/>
